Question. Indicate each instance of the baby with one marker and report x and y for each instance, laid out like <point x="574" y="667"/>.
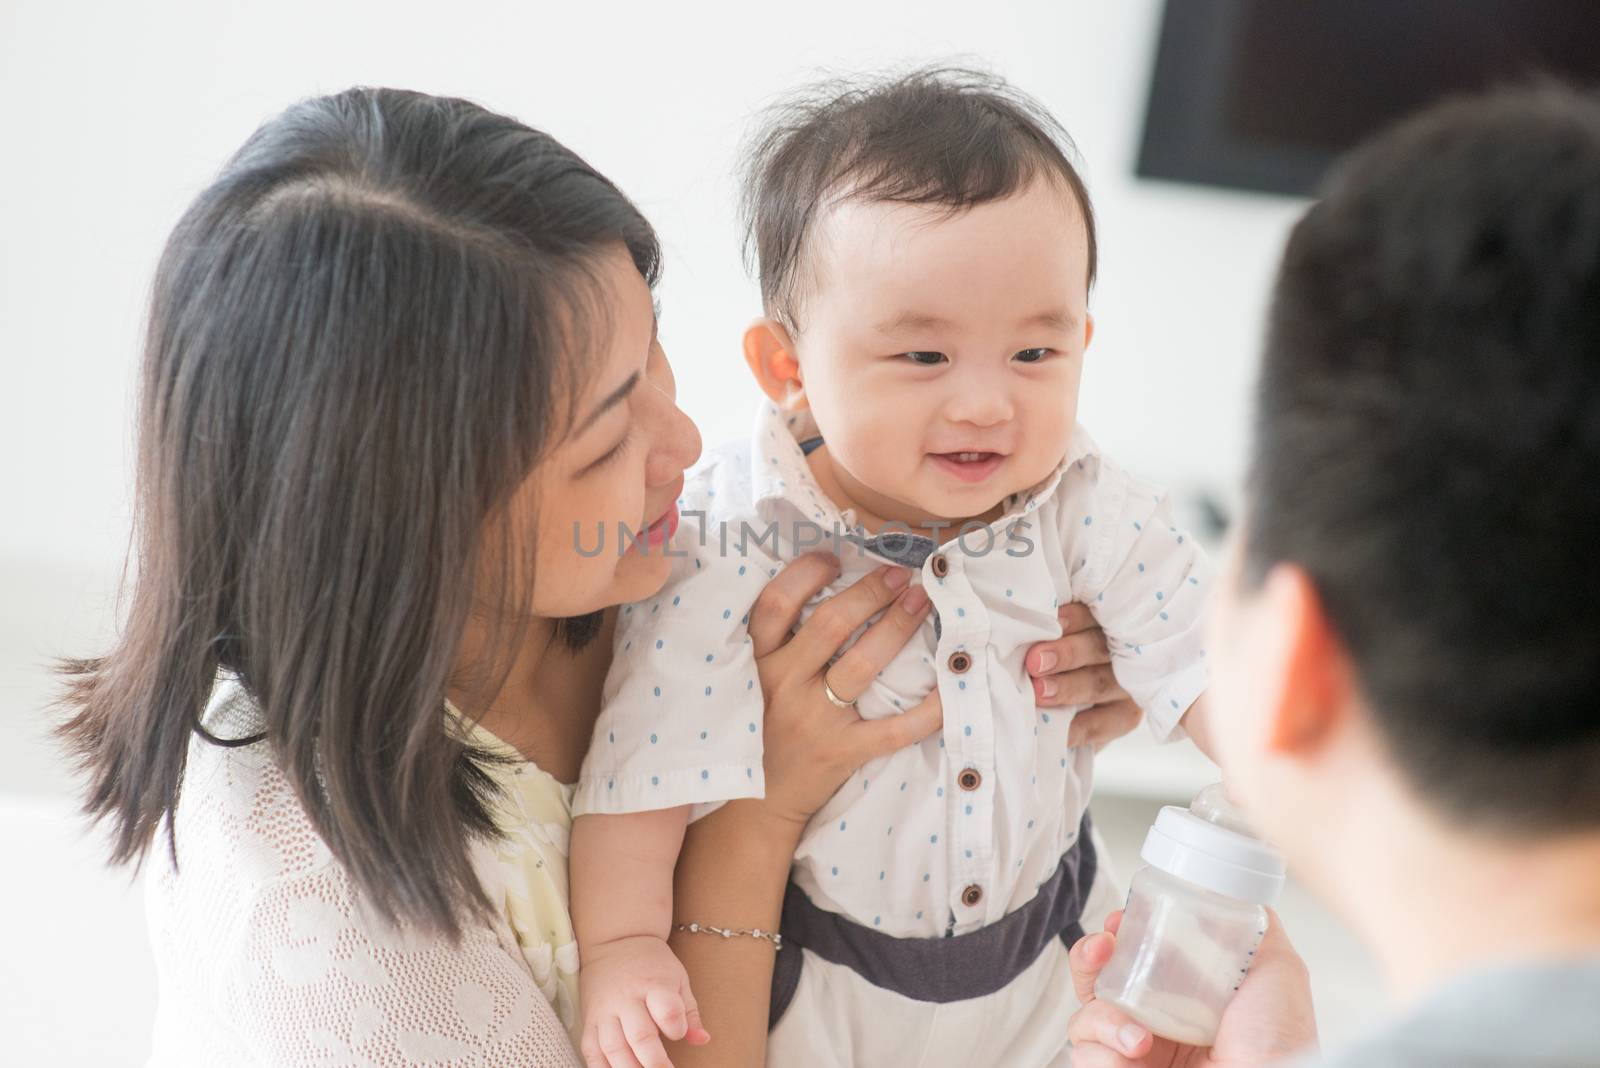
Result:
<point x="925" y="251"/>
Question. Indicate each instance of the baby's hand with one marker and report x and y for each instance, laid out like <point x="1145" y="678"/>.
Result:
<point x="633" y="991"/>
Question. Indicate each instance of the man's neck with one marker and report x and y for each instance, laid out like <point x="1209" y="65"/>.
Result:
<point x="1434" y="901"/>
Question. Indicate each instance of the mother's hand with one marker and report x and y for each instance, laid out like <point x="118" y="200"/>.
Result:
<point x="1075" y="669"/>
<point x="735" y="862"/>
<point x="813" y="745"/>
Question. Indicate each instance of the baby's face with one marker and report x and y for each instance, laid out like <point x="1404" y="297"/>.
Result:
<point x="941" y="354"/>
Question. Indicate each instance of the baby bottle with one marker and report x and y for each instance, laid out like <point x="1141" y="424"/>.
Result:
<point x="1194" y="919"/>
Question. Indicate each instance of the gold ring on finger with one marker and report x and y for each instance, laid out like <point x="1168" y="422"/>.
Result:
<point x="838" y="701"/>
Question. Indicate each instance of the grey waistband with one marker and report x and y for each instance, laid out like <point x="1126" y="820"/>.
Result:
<point x="953" y="968"/>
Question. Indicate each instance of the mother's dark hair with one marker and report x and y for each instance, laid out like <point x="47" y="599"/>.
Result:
<point x="362" y="337"/>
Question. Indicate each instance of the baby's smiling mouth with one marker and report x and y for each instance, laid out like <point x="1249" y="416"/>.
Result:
<point x="968" y="465"/>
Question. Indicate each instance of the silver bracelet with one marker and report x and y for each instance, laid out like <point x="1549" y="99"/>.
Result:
<point x="752" y="932"/>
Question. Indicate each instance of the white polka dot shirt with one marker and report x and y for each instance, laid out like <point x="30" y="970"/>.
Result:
<point x="953" y="833"/>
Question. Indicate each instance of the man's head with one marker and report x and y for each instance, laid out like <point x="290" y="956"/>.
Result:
<point x="1419" y="576"/>
<point x="925" y="250"/>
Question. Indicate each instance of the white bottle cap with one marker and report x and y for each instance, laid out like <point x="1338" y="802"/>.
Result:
<point x="1213" y="857"/>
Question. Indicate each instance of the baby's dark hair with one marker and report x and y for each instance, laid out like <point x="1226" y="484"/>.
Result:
<point x="941" y="136"/>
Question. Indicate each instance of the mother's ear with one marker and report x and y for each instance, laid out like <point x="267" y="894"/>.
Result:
<point x="769" y="352"/>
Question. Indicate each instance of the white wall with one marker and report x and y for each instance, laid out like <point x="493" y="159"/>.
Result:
<point x="115" y="114"/>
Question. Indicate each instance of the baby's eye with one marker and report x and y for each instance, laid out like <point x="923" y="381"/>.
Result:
<point x="1032" y="355"/>
<point x="925" y="359"/>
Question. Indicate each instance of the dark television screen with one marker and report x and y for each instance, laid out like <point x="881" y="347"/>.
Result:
<point x="1264" y="94"/>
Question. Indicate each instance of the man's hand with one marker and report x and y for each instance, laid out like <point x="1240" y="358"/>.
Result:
<point x="1269" y="1018"/>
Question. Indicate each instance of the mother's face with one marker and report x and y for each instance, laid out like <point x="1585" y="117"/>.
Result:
<point x="620" y="465"/>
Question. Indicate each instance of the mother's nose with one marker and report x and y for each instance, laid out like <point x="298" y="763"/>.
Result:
<point x="676" y="446"/>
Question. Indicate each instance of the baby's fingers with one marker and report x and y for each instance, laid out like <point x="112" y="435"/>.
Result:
<point x="695" y="1034"/>
<point x="593" y="1057"/>
<point x="642" y="1038"/>
<point x="668" y="1011"/>
<point x="614" y="1049"/>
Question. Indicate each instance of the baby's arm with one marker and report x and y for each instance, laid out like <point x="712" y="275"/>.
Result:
<point x="631" y="989"/>
<point x="1145" y="581"/>
<point x="1196" y="725"/>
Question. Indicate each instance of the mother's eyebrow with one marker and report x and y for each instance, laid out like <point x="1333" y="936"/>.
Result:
<point x="616" y="397"/>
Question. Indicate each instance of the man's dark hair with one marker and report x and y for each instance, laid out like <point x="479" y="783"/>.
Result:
<point x="363" y="336"/>
<point x="938" y="136"/>
<point x="1428" y="446"/>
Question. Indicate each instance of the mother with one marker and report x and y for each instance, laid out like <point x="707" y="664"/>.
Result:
<point x="396" y="351"/>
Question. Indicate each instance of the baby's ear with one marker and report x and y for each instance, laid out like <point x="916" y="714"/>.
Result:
<point x="769" y="352"/>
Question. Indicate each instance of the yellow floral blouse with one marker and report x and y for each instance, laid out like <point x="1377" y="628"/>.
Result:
<point x="529" y="865"/>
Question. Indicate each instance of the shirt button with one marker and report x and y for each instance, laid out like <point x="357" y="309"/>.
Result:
<point x="959" y="663"/>
<point x="969" y="779"/>
<point x="941" y="566"/>
<point x="972" y="895"/>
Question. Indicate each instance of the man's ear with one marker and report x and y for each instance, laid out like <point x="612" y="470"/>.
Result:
<point x="1088" y="331"/>
<point x="1316" y="681"/>
<point x="769" y="352"/>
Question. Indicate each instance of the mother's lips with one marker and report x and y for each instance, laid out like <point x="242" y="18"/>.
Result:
<point x="660" y="532"/>
<point x="671" y="505"/>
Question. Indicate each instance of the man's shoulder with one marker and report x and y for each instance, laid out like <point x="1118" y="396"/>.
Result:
<point x="1536" y="1015"/>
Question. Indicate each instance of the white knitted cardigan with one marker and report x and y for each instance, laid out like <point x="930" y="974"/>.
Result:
<point x="266" y="955"/>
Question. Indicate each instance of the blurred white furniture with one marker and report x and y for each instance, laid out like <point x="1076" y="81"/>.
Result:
<point x="1136" y="766"/>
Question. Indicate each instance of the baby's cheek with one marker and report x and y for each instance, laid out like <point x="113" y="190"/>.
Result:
<point x="883" y="468"/>
<point x="1041" y="459"/>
